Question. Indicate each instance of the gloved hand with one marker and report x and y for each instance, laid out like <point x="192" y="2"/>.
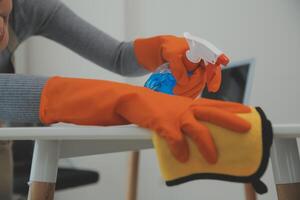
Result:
<point x="96" y="102"/>
<point x="153" y="52"/>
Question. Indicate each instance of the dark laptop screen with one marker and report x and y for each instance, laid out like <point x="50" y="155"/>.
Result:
<point x="234" y="80"/>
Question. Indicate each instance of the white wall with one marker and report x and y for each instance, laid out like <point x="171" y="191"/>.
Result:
<point x="265" y="30"/>
<point x="49" y="58"/>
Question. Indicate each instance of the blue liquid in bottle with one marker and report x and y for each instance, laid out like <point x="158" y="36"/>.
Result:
<point x="161" y="80"/>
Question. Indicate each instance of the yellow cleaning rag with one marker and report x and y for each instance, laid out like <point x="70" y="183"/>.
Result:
<point x="241" y="157"/>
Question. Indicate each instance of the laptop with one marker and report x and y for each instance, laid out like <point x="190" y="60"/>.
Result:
<point x="237" y="79"/>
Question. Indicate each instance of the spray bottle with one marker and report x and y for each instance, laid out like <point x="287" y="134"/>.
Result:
<point x="162" y="79"/>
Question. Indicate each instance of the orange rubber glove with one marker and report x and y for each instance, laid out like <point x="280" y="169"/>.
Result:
<point x="96" y="102"/>
<point x="153" y="52"/>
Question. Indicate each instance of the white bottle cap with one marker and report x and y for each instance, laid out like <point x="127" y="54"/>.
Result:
<point x="201" y="49"/>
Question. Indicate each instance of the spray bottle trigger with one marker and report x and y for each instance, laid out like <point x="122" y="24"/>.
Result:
<point x="190" y="66"/>
<point x="222" y="60"/>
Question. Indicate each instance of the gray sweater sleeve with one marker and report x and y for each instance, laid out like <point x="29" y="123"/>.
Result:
<point x="54" y="20"/>
<point x="20" y="94"/>
<point x="20" y="98"/>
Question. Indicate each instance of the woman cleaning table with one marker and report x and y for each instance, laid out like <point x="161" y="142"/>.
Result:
<point x="46" y="100"/>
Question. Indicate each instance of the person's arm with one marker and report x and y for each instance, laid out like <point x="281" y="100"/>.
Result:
<point x="56" y="21"/>
<point x="20" y="97"/>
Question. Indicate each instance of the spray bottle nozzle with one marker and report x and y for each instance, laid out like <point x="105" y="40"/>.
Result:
<point x="201" y="49"/>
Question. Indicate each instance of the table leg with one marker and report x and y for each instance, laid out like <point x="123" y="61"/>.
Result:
<point x="41" y="191"/>
<point x="6" y="170"/>
<point x="288" y="191"/>
<point x="44" y="170"/>
<point x="286" y="165"/>
<point x="249" y="192"/>
<point x="133" y="176"/>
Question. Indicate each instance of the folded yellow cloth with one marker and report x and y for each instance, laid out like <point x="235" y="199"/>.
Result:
<point x="241" y="157"/>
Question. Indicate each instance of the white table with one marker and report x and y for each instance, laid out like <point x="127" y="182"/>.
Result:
<point x="53" y="143"/>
